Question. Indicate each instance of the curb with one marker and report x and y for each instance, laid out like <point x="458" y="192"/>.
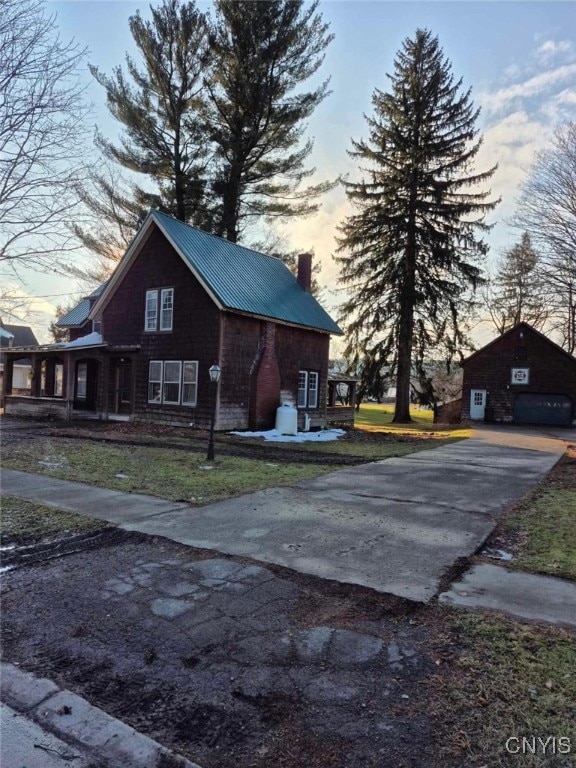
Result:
<point x="74" y="720"/>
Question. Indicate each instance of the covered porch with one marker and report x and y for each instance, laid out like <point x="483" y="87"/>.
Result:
<point x="341" y="400"/>
<point x="72" y="380"/>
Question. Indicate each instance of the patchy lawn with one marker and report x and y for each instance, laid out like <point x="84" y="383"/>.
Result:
<point x="506" y="680"/>
<point x="540" y="530"/>
<point x="171" y="474"/>
<point x="25" y="522"/>
<point x="142" y="461"/>
<point x="378" y="417"/>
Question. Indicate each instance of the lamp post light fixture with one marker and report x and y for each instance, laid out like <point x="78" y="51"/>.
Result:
<point x="214" y="372"/>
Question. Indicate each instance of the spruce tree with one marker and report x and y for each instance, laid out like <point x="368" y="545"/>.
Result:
<point x="519" y="293"/>
<point x="159" y="106"/>
<point x="262" y="52"/>
<point x="412" y="253"/>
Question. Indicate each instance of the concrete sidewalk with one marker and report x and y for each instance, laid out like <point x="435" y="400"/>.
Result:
<point x="526" y="595"/>
<point x="395" y="526"/>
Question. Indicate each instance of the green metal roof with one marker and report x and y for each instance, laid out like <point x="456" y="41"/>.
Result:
<point x="246" y="280"/>
<point x="78" y="315"/>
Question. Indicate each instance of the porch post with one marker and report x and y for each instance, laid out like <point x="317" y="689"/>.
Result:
<point x="8" y="374"/>
<point x="36" y="375"/>
<point x="133" y="365"/>
<point x="105" y="386"/>
<point x="69" y="368"/>
<point x="50" y="377"/>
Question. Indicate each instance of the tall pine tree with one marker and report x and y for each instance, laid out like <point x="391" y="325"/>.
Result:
<point x="262" y="53"/>
<point x="519" y="293"/>
<point x="412" y="253"/>
<point x="159" y="106"/>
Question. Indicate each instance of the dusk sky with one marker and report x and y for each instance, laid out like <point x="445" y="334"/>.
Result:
<point x="518" y="57"/>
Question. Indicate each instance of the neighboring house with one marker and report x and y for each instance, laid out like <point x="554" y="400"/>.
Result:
<point x="520" y="377"/>
<point x="179" y="301"/>
<point x="16" y="336"/>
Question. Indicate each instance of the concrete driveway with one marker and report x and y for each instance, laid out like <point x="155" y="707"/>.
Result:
<point x="395" y="526"/>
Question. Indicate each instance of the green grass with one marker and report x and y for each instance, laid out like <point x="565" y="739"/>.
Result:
<point x="24" y="521"/>
<point x="547" y="525"/>
<point x="511" y="680"/>
<point x="376" y="417"/>
<point x="172" y="474"/>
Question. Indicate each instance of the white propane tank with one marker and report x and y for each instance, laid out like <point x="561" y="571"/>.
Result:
<point x="287" y="420"/>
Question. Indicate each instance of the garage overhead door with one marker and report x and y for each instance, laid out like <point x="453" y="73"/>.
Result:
<point x="530" y="408"/>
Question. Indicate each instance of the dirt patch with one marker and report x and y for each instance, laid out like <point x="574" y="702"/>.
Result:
<point x="229" y="663"/>
<point x="180" y="438"/>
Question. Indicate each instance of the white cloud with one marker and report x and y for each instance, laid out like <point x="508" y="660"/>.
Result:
<point x="550" y="49"/>
<point x="538" y="85"/>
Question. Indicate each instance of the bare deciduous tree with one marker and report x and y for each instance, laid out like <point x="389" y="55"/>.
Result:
<point x="547" y="210"/>
<point x="42" y="125"/>
<point x="518" y="292"/>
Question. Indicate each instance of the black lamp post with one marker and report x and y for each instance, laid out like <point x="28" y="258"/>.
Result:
<point x="214" y="372"/>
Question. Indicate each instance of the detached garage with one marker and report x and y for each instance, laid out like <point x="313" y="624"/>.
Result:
<point x="521" y="377"/>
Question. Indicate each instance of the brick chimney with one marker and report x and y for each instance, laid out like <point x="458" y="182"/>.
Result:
<point x="304" y="275"/>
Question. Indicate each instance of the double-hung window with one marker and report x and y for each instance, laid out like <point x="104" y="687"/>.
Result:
<point x="159" y="312"/>
<point x="151" y="319"/>
<point x="313" y="389"/>
<point x="302" y="389"/>
<point x="166" y="308"/>
<point x="189" y="382"/>
<point x="308" y="382"/>
<point x="172" y="376"/>
<point x="155" y="382"/>
<point x="173" y="382"/>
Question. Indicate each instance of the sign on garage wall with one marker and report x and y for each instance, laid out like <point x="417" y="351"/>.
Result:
<point x="520" y="376"/>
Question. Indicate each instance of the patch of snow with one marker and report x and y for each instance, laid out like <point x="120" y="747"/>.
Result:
<point x="8" y="548"/>
<point x="274" y="436"/>
<point x="498" y="554"/>
<point x="84" y="341"/>
<point x="51" y="464"/>
<point x="5" y="568"/>
<point x="205" y="466"/>
<point x="122" y="476"/>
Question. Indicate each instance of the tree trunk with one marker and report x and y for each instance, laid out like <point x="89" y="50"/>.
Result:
<point x="402" y="407"/>
<point x="406" y="322"/>
<point x="230" y="199"/>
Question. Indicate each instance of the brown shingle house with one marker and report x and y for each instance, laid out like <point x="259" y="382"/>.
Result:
<point x="521" y="377"/>
<point x="180" y="301"/>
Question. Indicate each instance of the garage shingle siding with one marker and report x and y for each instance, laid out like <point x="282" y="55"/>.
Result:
<point x="552" y="371"/>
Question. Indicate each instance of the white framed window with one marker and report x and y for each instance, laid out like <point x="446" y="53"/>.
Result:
<point x="308" y="384"/>
<point x="302" y="389"/>
<point x="166" y="308"/>
<point x="151" y="316"/>
<point x="96" y="326"/>
<point x="171" y="383"/>
<point x="155" y="381"/>
<point x="81" y="380"/>
<point x="189" y="382"/>
<point x="313" y="389"/>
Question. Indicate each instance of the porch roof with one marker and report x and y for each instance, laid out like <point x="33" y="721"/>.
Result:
<point x="61" y="348"/>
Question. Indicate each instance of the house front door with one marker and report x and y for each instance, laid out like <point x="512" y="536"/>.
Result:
<point x="477" y="404"/>
<point x="123" y="390"/>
